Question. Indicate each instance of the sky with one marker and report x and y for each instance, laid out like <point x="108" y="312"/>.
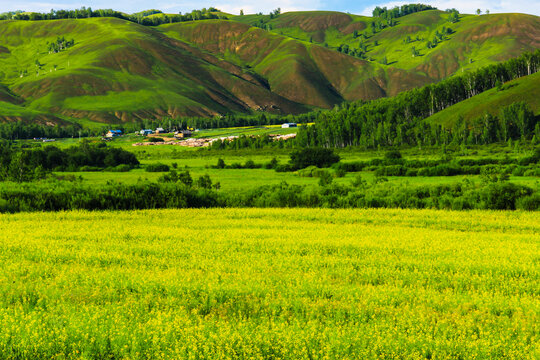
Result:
<point x="361" y="7"/>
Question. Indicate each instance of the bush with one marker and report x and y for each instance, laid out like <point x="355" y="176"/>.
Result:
<point x="532" y="172"/>
<point x="518" y="171"/>
<point x="392" y="155"/>
<point x="250" y="164"/>
<point x="272" y="164"/>
<point x="325" y="178"/>
<point x="154" y="139"/>
<point x="157" y="167"/>
<point x="411" y="172"/>
<point x="503" y="195"/>
<point x="89" y="168"/>
<point x="204" y="182"/>
<point x="185" y="178"/>
<point x="394" y="170"/>
<point x="284" y="168"/>
<point x="350" y="166"/>
<point x="307" y="172"/>
<point x="120" y="168"/>
<point x="220" y="164"/>
<point x="530" y="203"/>
<point x="319" y="157"/>
<point x="340" y="173"/>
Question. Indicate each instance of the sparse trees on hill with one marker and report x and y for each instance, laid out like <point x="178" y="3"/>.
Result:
<point x="275" y="13"/>
<point x="59" y="45"/>
<point x="454" y="16"/>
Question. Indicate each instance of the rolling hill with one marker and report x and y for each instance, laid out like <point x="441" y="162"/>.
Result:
<point x="121" y="71"/>
<point x="525" y="89"/>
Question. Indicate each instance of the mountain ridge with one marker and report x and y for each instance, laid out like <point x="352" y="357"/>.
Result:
<point x="120" y="71"/>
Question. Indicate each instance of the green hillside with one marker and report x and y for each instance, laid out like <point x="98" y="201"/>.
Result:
<point x="119" y="71"/>
<point x="299" y="71"/>
<point x="525" y="89"/>
<point x="475" y="41"/>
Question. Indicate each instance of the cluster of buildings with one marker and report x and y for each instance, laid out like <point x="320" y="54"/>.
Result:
<point x="289" y="125"/>
<point x="148" y="132"/>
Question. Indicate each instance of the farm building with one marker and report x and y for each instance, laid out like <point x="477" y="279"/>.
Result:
<point x="160" y="130"/>
<point x="182" y="134"/>
<point x="146" y="132"/>
<point x="289" y="125"/>
<point x="113" y="133"/>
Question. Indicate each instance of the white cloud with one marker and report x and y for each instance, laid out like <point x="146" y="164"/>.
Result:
<point x="234" y="6"/>
<point x="470" y="6"/>
<point x="36" y="6"/>
<point x="231" y="6"/>
<point x="250" y="7"/>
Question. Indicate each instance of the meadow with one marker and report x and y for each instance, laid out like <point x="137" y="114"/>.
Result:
<point x="200" y="162"/>
<point x="270" y="284"/>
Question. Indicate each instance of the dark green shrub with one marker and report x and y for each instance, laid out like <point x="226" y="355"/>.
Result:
<point x="204" y="182"/>
<point x="249" y="164"/>
<point x="272" y="164"/>
<point x="157" y="167"/>
<point x="503" y="195"/>
<point x="518" y="171"/>
<point x="220" y="164"/>
<point x="530" y="203"/>
<point x="411" y="172"/>
<point x="185" y="178"/>
<point x="319" y="157"/>
<point x="325" y="178"/>
<point x="340" y="173"/>
<point x="392" y="155"/>
<point x="120" y="168"/>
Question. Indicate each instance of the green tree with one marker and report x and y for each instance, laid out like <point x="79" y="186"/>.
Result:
<point x="185" y="178"/>
<point x="325" y="178"/>
<point x="204" y="182"/>
<point x="320" y="157"/>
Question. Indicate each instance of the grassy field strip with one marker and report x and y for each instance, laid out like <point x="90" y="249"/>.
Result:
<point x="270" y="283"/>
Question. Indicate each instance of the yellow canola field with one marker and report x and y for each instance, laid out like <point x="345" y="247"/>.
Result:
<point x="270" y="284"/>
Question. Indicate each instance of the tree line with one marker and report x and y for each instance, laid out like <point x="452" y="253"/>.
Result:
<point x="400" y="121"/>
<point x="21" y="165"/>
<point x="495" y="195"/>
<point x="142" y="18"/>
<point x="399" y="11"/>
<point x="18" y="130"/>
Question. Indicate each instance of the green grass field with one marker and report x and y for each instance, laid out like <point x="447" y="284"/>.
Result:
<point x="276" y="283"/>
<point x="199" y="162"/>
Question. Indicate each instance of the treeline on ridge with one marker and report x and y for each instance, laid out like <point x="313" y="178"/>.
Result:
<point x="399" y="11"/>
<point x="142" y="18"/>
